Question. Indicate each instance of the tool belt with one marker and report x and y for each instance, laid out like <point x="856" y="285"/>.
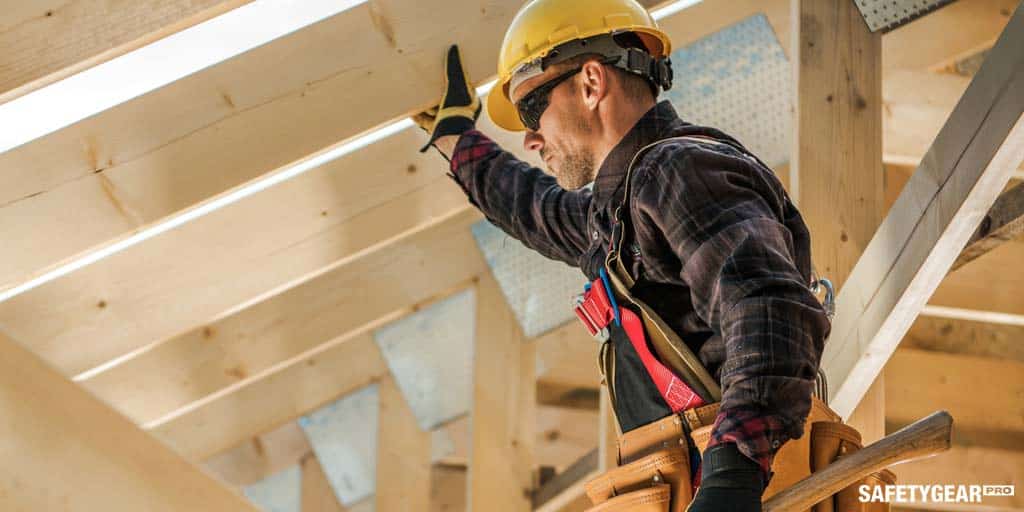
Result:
<point x="666" y="402"/>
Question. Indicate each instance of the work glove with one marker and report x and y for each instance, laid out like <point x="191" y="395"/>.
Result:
<point x="459" y="107"/>
<point x="730" y="482"/>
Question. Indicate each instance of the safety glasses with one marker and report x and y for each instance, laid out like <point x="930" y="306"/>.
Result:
<point x="533" y="105"/>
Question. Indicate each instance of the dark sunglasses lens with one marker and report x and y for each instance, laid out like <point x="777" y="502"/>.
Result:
<point x="530" y="110"/>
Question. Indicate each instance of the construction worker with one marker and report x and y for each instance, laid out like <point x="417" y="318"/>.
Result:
<point x="707" y="231"/>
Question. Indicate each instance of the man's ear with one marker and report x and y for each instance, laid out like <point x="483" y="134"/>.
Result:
<point x="593" y="83"/>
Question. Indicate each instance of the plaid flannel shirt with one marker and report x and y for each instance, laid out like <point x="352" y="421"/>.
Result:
<point x="717" y="249"/>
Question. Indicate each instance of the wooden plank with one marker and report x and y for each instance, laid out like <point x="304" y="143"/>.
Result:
<point x="838" y="140"/>
<point x="979" y="339"/>
<point x="281" y="394"/>
<point x="65" y="450"/>
<point x="502" y="412"/>
<point x="260" y="456"/>
<point x="920" y="382"/>
<point x="403" y="454"/>
<point x="1003" y="222"/>
<point x="568" y="484"/>
<point x="317" y="493"/>
<point x="967" y="26"/>
<point x="356" y="296"/>
<point x="968" y="466"/>
<point x="966" y="167"/>
<point x="46" y="41"/>
<point x="448" y="488"/>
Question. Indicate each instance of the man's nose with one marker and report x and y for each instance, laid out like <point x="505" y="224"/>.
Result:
<point x="533" y="141"/>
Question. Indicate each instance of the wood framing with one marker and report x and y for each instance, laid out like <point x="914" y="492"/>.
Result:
<point x="391" y="281"/>
<point x="260" y="456"/>
<point x="966" y="167"/>
<point x="317" y="493"/>
<point x="500" y="474"/>
<point x="64" y="449"/>
<point x="403" y="455"/>
<point x="48" y="40"/>
<point x="1003" y="222"/>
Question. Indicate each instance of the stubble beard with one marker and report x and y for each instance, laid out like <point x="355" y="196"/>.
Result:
<point x="576" y="169"/>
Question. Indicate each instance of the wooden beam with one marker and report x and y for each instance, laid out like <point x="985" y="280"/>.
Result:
<point x="1003" y="222"/>
<point x="63" y="449"/>
<point x="966" y="167"/>
<point x="968" y="26"/>
<point x="979" y="339"/>
<point x="358" y="295"/>
<point x="922" y="382"/>
<point x="49" y="40"/>
<point x="500" y="474"/>
<point x="260" y="456"/>
<point x="317" y="493"/>
<point x="836" y="169"/>
<point x="403" y="455"/>
<point x="287" y="391"/>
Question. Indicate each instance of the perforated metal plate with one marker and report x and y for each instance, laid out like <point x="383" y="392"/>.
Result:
<point x="537" y="289"/>
<point x="738" y="80"/>
<point x="430" y="354"/>
<point x="344" y="437"/>
<point x="280" y="492"/>
<point x="886" y="15"/>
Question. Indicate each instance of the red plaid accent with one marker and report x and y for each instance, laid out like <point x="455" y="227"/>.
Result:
<point x="757" y="435"/>
<point x="471" y="147"/>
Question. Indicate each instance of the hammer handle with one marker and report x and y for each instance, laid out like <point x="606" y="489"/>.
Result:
<point x="925" y="437"/>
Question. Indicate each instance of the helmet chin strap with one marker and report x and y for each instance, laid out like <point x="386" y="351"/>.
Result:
<point x="658" y="71"/>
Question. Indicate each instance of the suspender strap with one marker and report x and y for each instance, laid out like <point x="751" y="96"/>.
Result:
<point x="671" y="349"/>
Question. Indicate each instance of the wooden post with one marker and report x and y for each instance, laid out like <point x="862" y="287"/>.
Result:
<point x="502" y="413"/>
<point x="403" y="454"/>
<point x="317" y="493"/>
<point x="836" y="168"/>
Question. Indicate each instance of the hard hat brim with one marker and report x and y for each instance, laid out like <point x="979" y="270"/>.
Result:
<point x="503" y="113"/>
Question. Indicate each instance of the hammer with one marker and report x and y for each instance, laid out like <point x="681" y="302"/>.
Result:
<point x="923" y="438"/>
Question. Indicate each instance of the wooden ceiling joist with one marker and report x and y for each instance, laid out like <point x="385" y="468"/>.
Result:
<point x="48" y="40"/>
<point x="352" y="299"/>
<point x="63" y="449"/>
<point x="959" y="178"/>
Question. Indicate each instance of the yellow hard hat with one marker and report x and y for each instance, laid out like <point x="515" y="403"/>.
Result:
<point x="542" y="25"/>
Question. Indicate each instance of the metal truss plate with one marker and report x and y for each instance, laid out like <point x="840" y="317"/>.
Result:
<point x="430" y="354"/>
<point x="886" y="15"/>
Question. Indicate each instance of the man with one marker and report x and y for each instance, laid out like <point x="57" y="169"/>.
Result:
<point x="717" y="248"/>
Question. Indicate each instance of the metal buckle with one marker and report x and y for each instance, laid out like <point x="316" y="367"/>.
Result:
<point x="600" y="334"/>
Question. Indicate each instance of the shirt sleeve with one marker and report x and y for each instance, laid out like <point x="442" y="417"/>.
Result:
<point x="720" y="213"/>
<point x="520" y="199"/>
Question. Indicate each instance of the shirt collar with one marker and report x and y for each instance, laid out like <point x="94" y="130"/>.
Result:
<point x="658" y="123"/>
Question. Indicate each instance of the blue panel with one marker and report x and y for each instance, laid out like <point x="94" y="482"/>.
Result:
<point x="280" y="492"/>
<point x="739" y="81"/>
<point x="430" y="354"/>
<point x="344" y="438"/>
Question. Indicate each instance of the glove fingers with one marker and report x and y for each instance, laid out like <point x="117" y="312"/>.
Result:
<point x="459" y="91"/>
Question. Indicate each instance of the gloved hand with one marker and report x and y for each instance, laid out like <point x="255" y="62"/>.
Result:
<point x="730" y="482"/>
<point x="459" y="107"/>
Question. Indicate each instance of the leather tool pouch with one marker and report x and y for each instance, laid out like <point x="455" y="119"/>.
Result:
<point x="651" y="499"/>
<point x="830" y="441"/>
<point x="668" y="468"/>
<point x="793" y="461"/>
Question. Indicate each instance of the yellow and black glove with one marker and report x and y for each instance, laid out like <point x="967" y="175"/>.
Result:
<point x="459" y="107"/>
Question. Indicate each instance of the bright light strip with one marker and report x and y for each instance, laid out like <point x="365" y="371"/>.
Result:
<point x="992" y="317"/>
<point x="253" y="187"/>
<point x="152" y="66"/>
<point x="673" y="8"/>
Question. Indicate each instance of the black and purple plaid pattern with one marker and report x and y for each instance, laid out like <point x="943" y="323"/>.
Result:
<point x="717" y="249"/>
